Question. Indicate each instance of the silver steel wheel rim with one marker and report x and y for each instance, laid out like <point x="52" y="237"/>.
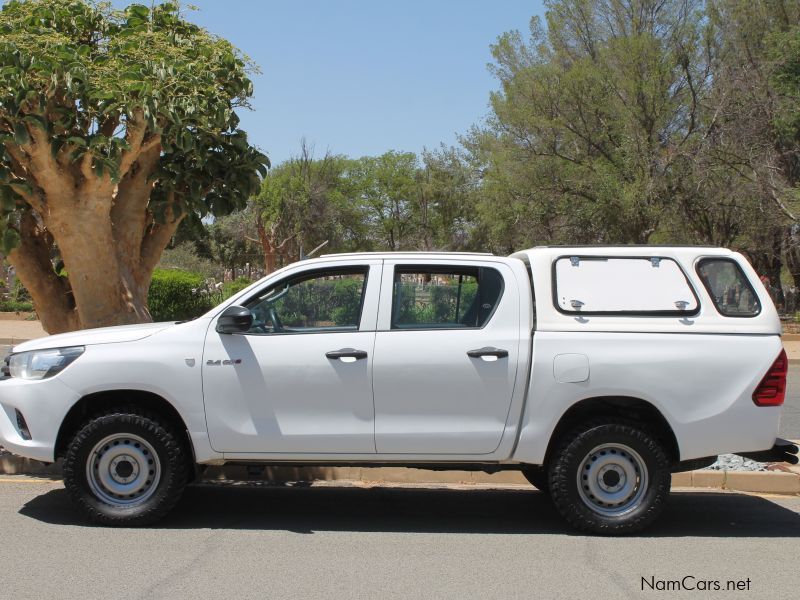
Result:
<point x="123" y="470"/>
<point x="612" y="479"/>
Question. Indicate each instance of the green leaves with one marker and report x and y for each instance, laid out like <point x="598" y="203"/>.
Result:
<point x="69" y="67"/>
<point x="10" y="240"/>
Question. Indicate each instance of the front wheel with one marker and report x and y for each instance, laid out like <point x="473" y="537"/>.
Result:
<point x="125" y="468"/>
<point x="537" y="477"/>
<point x="610" y="477"/>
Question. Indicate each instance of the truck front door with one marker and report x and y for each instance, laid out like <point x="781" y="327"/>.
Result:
<point x="300" y="381"/>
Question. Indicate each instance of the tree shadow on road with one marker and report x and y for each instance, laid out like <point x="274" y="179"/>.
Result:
<point x="304" y="509"/>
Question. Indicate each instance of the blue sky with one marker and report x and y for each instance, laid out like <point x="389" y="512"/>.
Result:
<point x="360" y="77"/>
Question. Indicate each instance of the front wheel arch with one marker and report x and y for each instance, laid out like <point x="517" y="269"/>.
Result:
<point x="101" y="402"/>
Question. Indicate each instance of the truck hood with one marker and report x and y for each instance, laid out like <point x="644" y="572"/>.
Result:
<point x="88" y="337"/>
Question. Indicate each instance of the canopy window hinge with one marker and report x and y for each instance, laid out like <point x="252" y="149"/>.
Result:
<point x="655" y="261"/>
<point x="574" y="261"/>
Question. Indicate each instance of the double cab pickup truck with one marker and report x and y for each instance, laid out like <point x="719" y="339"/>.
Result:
<point x="596" y="372"/>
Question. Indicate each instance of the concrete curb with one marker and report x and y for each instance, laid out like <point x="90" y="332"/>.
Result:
<point x="766" y="482"/>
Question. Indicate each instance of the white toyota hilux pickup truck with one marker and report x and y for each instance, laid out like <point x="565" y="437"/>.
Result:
<point x="597" y="372"/>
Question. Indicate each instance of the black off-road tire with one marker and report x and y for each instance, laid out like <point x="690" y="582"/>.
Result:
<point x="537" y="476"/>
<point x="574" y="453"/>
<point x="173" y="459"/>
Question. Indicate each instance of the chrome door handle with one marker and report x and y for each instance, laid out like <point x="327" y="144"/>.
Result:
<point x="487" y="351"/>
<point x="346" y="353"/>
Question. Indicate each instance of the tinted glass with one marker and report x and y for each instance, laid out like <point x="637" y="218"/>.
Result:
<point x="728" y="287"/>
<point x="456" y="298"/>
<point x="327" y="301"/>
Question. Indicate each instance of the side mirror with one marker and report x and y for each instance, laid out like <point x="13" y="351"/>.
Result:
<point x="234" y="319"/>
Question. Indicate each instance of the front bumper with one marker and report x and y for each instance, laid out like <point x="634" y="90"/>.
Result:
<point x="43" y="404"/>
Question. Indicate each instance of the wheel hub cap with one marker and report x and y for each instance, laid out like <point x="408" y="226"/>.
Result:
<point x="123" y="470"/>
<point x="612" y="479"/>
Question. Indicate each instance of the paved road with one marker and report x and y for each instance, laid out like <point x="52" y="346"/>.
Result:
<point x="348" y="542"/>
<point x="790" y="420"/>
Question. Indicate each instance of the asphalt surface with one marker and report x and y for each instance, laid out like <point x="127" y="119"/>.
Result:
<point x="383" y="542"/>
<point x="790" y="419"/>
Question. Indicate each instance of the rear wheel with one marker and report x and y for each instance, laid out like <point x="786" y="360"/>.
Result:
<point x="610" y="477"/>
<point x="126" y="468"/>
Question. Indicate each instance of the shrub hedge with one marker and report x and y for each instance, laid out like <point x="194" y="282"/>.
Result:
<point x="234" y="287"/>
<point x="178" y="295"/>
<point x="15" y="306"/>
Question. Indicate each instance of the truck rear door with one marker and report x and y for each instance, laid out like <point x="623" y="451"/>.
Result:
<point x="445" y="358"/>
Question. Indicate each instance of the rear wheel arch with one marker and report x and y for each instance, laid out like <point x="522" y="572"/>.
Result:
<point x="624" y="408"/>
<point x="101" y="402"/>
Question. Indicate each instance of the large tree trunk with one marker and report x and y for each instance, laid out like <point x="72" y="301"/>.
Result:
<point x="103" y="231"/>
<point x="113" y="288"/>
<point x="51" y="294"/>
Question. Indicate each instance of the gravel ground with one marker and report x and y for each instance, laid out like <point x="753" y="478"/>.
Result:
<point x="734" y="462"/>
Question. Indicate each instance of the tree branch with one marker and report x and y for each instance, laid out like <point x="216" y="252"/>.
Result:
<point x="129" y="212"/>
<point x="156" y="239"/>
<point x="20" y="166"/>
<point x="50" y="176"/>
<point x="135" y="136"/>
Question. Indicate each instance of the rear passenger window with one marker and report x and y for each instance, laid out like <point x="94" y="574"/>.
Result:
<point x="636" y="285"/>
<point x="444" y="297"/>
<point x="728" y="287"/>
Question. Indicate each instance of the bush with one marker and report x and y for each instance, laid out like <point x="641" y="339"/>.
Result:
<point x="15" y="306"/>
<point x="184" y="257"/>
<point x="178" y="295"/>
<point x="19" y="293"/>
<point x="235" y="286"/>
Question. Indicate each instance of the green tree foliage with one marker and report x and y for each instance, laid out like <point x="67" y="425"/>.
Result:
<point x="395" y="201"/>
<point x="233" y="242"/>
<point x="591" y="119"/>
<point x="114" y="125"/>
<point x="387" y="188"/>
<point x="303" y="203"/>
<point x="666" y="121"/>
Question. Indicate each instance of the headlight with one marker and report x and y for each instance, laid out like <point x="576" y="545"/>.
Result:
<point x="40" y="364"/>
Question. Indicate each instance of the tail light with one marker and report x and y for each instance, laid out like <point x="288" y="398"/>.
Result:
<point x="772" y="389"/>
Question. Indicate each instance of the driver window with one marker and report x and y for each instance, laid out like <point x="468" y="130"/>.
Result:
<point x="311" y="302"/>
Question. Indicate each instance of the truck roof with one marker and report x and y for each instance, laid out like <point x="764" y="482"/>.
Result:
<point x="683" y="252"/>
<point x="407" y="252"/>
<point x="593" y="250"/>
